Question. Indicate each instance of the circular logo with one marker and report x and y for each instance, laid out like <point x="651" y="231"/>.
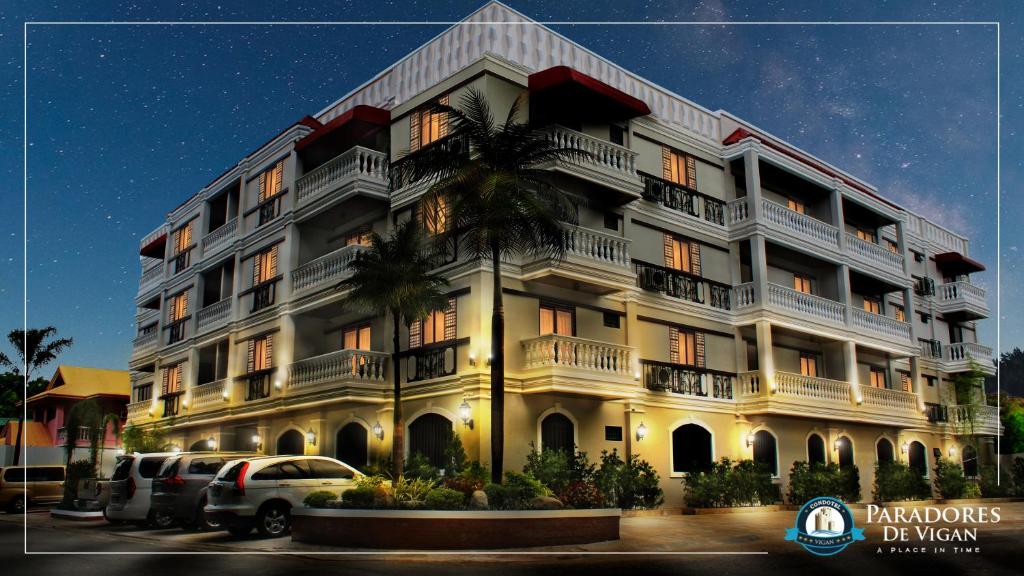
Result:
<point x="824" y="526"/>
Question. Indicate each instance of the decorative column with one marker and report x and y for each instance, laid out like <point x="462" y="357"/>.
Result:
<point x="850" y="368"/>
<point x="845" y="292"/>
<point x="915" y="381"/>
<point x="759" y="268"/>
<point x="633" y="335"/>
<point x="765" y="356"/>
<point x="836" y="208"/>
<point x="752" y="181"/>
<point x="908" y="311"/>
<point x="901" y="243"/>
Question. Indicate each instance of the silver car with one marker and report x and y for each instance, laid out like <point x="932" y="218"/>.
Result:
<point x="261" y="492"/>
<point x="130" y="486"/>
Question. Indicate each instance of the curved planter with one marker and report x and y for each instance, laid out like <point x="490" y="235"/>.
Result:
<point x="447" y="530"/>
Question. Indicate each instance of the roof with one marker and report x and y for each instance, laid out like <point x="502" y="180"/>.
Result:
<point x="572" y="91"/>
<point x="955" y="263"/>
<point x="84" y="382"/>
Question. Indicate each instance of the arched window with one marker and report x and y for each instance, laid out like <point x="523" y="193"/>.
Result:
<point x="429" y="435"/>
<point x="350" y="445"/>
<point x="766" y="451"/>
<point x="918" y="459"/>
<point x="845" y="448"/>
<point x="884" y="451"/>
<point x="969" y="458"/>
<point x="556" y="433"/>
<point x="691" y="448"/>
<point x="291" y="443"/>
<point x="815" y="449"/>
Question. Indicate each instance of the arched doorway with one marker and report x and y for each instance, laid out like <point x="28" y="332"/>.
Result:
<point x="291" y="443"/>
<point x="766" y="451"/>
<point x="845" y="448"/>
<point x="917" y="458"/>
<point x="350" y="445"/>
<point x="557" y="433"/>
<point x="969" y="459"/>
<point x="884" y="451"/>
<point x="429" y="435"/>
<point x="815" y="449"/>
<point x="691" y="448"/>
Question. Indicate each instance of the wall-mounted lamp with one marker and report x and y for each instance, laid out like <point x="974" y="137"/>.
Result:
<point x="257" y="442"/>
<point x="838" y="443"/>
<point x="641" y="431"/>
<point x="952" y="451"/>
<point x="466" y="413"/>
<point x="184" y="404"/>
<point x="905" y="447"/>
<point x="750" y="439"/>
<point x="636" y="375"/>
<point x="211" y="443"/>
<point x="311" y="437"/>
<point x="378" y="430"/>
<point x="224" y="396"/>
<point x="277" y="383"/>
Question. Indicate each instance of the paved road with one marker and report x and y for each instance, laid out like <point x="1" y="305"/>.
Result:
<point x="646" y="542"/>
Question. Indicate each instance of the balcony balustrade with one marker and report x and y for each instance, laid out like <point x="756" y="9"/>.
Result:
<point x="151" y="277"/>
<point x="555" y="350"/>
<point x="931" y="349"/>
<point x="172" y="402"/>
<point x="326" y="270"/>
<point x="357" y="162"/>
<point x="214" y="315"/>
<point x="591" y="245"/>
<point x="880" y="325"/>
<point x="339" y="367"/>
<point x="597" y="261"/>
<point x="433" y="361"/>
<point x="802" y="226"/>
<point x="961" y="297"/>
<point x="683" y="199"/>
<point x="683" y="285"/>
<point x="209" y="394"/>
<point x="600" y="155"/>
<point x="220" y="237"/>
<point x="811" y="388"/>
<point x="888" y="399"/>
<point x="874" y="255"/>
<point x="743" y="296"/>
<point x="139" y="410"/>
<point x="961" y="356"/>
<point x="144" y="342"/>
<point x="808" y="305"/>
<point x="974" y="418"/>
<point x="687" y="380"/>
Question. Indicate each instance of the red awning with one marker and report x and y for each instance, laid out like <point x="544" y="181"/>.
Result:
<point x="956" y="264"/>
<point x="340" y="134"/>
<point x="562" y="94"/>
<point x="155" y="249"/>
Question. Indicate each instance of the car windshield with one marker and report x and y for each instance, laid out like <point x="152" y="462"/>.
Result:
<point x="149" y="465"/>
<point x="169" y="468"/>
<point x="122" y="469"/>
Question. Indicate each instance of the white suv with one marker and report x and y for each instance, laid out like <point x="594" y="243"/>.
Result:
<point x="130" y="486"/>
<point x="262" y="491"/>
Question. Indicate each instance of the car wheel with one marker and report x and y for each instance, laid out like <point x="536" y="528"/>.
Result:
<point x="203" y="522"/>
<point x="239" y="530"/>
<point x="161" y="520"/>
<point x="273" y="520"/>
<point x="17" y="504"/>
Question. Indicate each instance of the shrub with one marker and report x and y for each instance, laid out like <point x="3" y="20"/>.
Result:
<point x="628" y="484"/>
<point x="972" y="490"/>
<point x="949" y="479"/>
<point x="988" y="483"/>
<point x="77" y="470"/>
<point x="358" y="497"/>
<point x="445" y="499"/>
<point x="418" y="467"/>
<point x="374" y="481"/>
<point x="516" y="491"/>
<point x="807" y="481"/>
<point x="557" y="469"/>
<point x="407" y="489"/>
<point x="897" y="481"/>
<point x="471" y="479"/>
<point x="743" y="483"/>
<point x="319" y="499"/>
<point x="581" y="494"/>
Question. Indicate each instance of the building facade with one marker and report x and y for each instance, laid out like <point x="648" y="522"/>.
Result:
<point x="724" y="293"/>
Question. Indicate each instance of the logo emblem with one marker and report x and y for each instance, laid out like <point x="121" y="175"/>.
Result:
<point x="824" y="527"/>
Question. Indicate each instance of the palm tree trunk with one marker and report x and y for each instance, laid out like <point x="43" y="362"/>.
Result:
<point x="398" y="429"/>
<point x="497" y="370"/>
<point x="17" y="441"/>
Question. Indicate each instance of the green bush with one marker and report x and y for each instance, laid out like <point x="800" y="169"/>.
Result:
<point x="972" y="490"/>
<point x="949" y="479"/>
<point x="582" y="495"/>
<point x="628" y="484"/>
<point x="373" y="481"/>
<point x="896" y="481"/>
<point x="358" y="497"/>
<point x="418" y="467"/>
<point x="407" y="489"/>
<point x="1018" y="476"/>
<point x="557" y="469"/>
<point x="515" y="492"/>
<point x="989" y="485"/>
<point x="319" y="499"/>
<point x="726" y="484"/>
<point x="472" y="478"/>
<point x="445" y="499"/>
<point x="807" y="481"/>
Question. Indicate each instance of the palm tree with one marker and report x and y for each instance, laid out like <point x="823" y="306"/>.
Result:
<point x="89" y="414"/>
<point x="392" y="277"/>
<point x="498" y="204"/>
<point x="35" y="351"/>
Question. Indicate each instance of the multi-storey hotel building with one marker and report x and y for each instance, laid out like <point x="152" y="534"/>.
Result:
<point x="724" y="293"/>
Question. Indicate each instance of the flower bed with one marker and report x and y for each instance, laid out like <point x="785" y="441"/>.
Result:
<point x="453" y="530"/>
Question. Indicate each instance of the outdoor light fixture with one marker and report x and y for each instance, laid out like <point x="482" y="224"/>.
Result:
<point x="838" y="443"/>
<point x="952" y="451"/>
<point x="378" y="430"/>
<point x="277" y="384"/>
<point x="636" y="375"/>
<point x="466" y="413"/>
<point x="257" y="442"/>
<point x="641" y="431"/>
<point x="211" y="443"/>
<point x="472" y="358"/>
<point x="750" y="440"/>
<point x="311" y="437"/>
<point x="905" y="447"/>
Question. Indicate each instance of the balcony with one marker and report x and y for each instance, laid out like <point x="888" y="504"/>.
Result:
<point x="683" y="199"/>
<point x="593" y="261"/>
<point x="554" y="362"/>
<point x="326" y="270"/>
<point x="606" y="164"/>
<point x="214" y="315"/>
<point x="683" y="285"/>
<point x="805" y="305"/>
<point x="209" y="395"/>
<point x="257" y="384"/>
<point x="354" y="169"/>
<point x="886" y="400"/>
<point x="151" y="276"/>
<point x="971" y="419"/>
<point x="687" y="380"/>
<point x="172" y="402"/>
<point x="874" y="256"/>
<point x="433" y="360"/>
<point x="139" y="411"/>
<point x="342" y="370"/>
<point x="220" y="237"/>
<point x="959" y="356"/>
<point x="880" y="325"/>
<point x="144" y="343"/>
<point x="961" y="300"/>
<point x="799" y="226"/>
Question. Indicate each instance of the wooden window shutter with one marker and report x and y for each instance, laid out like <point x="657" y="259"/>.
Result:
<point x="278" y="177"/>
<point x="673" y="345"/>
<point x="698" y="340"/>
<point x="666" y="162"/>
<point x="167" y="379"/>
<point x="691" y="172"/>
<point x="450" y="319"/>
<point x="442" y="130"/>
<point x="273" y="263"/>
<point x="695" y="258"/>
<point x="416" y="334"/>
<point x="256" y="270"/>
<point x="250" y="365"/>
<point x="263" y="187"/>
<point x="177" y="377"/>
<point x="414" y="131"/>
<point x="268" y="351"/>
<point x="669" y="258"/>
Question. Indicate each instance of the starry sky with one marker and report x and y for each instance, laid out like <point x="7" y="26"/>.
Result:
<point x="126" y="122"/>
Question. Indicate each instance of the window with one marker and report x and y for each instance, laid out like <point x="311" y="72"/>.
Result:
<point x="679" y="168"/>
<point x="430" y="435"/>
<point x="261" y="353"/>
<point x="557" y="320"/>
<point x="172" y="379"/>
<point x="205" y="466"/>
<point x="872" y="305"/>
<point x="359" y="237"/>
<point x="611" y="320"/>
<point x="617" y="135"/>
<point x="884" y="451"/>
<point x="328" y="469"/>
<point x="179" y="306"/>
<point x="150" y="466"/>
<point x="815" y="449"/>
<point x="899" y="312"/>
<point x="613" y="433"/>
<point x="183" y="238"/>
<point x="350" y="445"/>
<point x="802" y="283"/>
<point x="917" y="458"/>
<point x="877" y="378"/>
<point x="682" y="347"/>
<point x="930" y="380"/>
<point x="436" y="327"/>
<point x="796" y="206"/>
<point x="291" y="443"/>
<point x="611" y="221"/>
<point x="264" y="267"/>
<point x="356" y="338"/>
<point x="270" y="182"/>
<point x="557" y="433"/>
<point x="845" y="448"/>
<point x="867" y="235"/>
<point x="808" y="364"/>
<point x="144" y="392"/>
<point x="906" y="382"/>
<point x="691" y="449"/>
<point x="969" y="458"/>
<point x="435" y="215"/>
<point x="427" y="125"/>
<point x="766" y="451"/>
<point x="892" y="246"/>
<point x="678" y="254"/>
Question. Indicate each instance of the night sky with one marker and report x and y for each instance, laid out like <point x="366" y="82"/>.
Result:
<point x="126" y="122"/>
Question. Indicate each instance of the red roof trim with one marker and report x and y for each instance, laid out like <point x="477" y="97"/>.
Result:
<point x="741" y="134"/>
<point x="958" y="262"/>
<point x="161" y="239"/>
<point x="562" y="75"/>
<point x="361" y="113"/>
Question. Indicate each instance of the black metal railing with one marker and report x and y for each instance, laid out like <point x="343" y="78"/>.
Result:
<point x="682" y="198"/>
<point x="433" y="361"/>
<point x="172" y="404"/>
<point x="270" y="209"/>
<point x="263" y="296"/>
<point x="257" y="385"/>
<point x="683" y="285"/>
<point x="924" y="287"/>
<point x="936" y="412"/>
<point x="402" y="173"/>
<point x="176" y="332"/>
<point x="181" y="261"/>
<point x="687" y="380"/>
<point x="931" y="348"/>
